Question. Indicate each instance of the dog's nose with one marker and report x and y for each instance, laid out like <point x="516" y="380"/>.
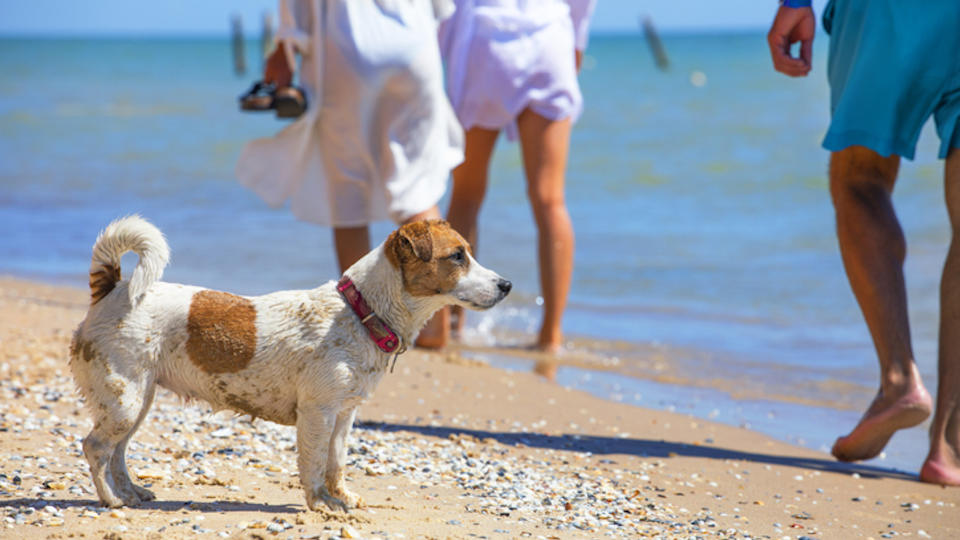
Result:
<point x="504" y="286"/>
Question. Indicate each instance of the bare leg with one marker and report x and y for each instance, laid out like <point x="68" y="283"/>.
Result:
<point x="545" y="144"/>
<point x="469" y="190"/>
<point x="436" y="333"/>
<point x="873" y="250"/>
<point x="942" y="465"/>
<point x="351" y="244"/>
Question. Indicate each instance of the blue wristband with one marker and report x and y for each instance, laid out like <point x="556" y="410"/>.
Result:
<point x="796" y="3"/>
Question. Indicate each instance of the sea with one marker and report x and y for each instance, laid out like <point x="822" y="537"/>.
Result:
<point x="707" y="276"/>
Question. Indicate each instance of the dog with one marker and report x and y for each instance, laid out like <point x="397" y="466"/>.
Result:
<point x="306" y="358"/>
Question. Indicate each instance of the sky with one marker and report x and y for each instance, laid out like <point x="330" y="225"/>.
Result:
<point x="211" y="17"/>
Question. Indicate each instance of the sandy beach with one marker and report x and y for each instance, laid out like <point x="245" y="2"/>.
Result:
<point x="446" y="448"/>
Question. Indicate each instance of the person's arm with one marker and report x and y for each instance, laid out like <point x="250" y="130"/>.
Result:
<point x="794" y="22"/>
<point x="580" y="13"/>
<point x="293" y="35"/>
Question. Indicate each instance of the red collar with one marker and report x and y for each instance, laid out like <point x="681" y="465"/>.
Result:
<point x="380" y="333"/>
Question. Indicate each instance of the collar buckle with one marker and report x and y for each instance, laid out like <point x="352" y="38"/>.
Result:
<point x="386" y="339"/>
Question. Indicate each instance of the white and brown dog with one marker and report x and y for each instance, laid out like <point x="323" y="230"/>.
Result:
<point x="305" y="358"/>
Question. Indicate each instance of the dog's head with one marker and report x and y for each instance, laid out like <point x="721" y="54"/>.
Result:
<point x="435" y="260"/>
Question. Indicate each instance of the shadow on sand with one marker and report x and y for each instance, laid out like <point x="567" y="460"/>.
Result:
<point x="645" y="448"/>
<point x="164" y="505"/>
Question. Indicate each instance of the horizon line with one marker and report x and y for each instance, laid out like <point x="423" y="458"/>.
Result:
<point x="188" y="34"/>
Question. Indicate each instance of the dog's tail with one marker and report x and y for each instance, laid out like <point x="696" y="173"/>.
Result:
<point x="131" y="233"/>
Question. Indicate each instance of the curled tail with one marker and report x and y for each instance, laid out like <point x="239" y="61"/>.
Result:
<point x="131" y="233"/>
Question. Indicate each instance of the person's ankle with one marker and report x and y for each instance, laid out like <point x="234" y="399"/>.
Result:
<point x="943" y="454"/>
<point x="902" y="381"/>
<point x="550" y="342"/>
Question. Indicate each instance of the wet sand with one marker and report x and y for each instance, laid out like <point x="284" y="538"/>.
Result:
<point x="448" y="447"/>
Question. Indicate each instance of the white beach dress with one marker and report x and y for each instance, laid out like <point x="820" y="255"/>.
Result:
<point x="503" y="56"/>
<point x="379" y="138"/>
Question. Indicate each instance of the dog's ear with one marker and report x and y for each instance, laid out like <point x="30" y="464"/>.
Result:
<point x="413" y="240"/>
<point x="419" y="239"/>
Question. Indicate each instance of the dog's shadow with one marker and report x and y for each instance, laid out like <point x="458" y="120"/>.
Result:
<point x="646" y="448"/>
<point x="162" y="505"/>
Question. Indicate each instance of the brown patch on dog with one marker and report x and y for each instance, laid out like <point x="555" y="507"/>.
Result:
<point x="419" y="234"/>
<point x="81" y="348"/>
<point x="103" y="281"/>
<point x="423" y="252"/>
<point x="221" y="332"/>
<point x="242" y="405"/>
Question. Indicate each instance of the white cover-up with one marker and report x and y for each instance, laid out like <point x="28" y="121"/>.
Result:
<point x="504" y="56"/>
<point x="379" y="137"/>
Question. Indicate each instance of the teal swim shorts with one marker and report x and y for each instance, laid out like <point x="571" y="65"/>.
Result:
<point x="892" y="64"/>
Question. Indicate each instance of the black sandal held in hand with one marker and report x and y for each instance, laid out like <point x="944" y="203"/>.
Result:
<point x="289" y="102"/>
<point x="258" y="98"/>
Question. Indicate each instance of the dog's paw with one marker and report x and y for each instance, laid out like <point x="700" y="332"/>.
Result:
<point x="350" y="498"/>
<point x="124" y="499"/>
<point x="144" y="493"/>
<point x="112" y="502"/>
<point x="321" y="495"/>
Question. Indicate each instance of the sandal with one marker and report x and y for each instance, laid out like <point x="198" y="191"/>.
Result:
<point x="258" y="98"/>
<point x="290" y="102"/>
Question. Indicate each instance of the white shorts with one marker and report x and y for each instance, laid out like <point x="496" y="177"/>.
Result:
<point x="501" y="61"/>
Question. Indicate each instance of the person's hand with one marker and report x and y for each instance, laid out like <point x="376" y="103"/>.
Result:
<point x="277" y="70"/>
<point x="790" y="26"/>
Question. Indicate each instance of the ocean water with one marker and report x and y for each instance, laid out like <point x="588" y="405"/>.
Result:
<point x="707" y="276"/>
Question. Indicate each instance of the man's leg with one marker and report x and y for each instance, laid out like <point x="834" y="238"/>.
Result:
<point x="942" y="465"/>
<point x="873" y="250"/>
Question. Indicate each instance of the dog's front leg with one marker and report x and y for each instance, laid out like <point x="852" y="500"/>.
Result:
<point x="315" y="425"/>
<point x="337" y="458"/>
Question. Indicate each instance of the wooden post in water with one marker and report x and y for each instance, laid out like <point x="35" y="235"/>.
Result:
<point x="656" y="46"/>
<point x="236" y="32"/>
<point x="266" y="36"/>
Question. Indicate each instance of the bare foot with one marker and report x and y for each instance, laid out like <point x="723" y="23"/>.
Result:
<point x="940" y="471"/>
<point x="547" y="370"/>
<point x="885" y="416"/>
<point x="547" y="367"/>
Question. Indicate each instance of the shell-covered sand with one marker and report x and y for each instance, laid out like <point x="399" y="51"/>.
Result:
<point x="446" y="448"/>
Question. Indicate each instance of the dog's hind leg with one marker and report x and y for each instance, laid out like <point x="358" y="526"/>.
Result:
<point x="118" y="462"/>
<point x="315" y="425"/>
<point x="337" y="458"/>
<point x="118" y="405"/>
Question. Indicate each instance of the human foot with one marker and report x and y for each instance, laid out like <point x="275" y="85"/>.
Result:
<point x="547" y="366"/>
<point x="940" y="471"/>
<point x="547" y="370"/>
<point x="886" y="415"/>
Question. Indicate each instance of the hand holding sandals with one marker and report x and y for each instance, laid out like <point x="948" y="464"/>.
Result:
<point x="275" y="91"/>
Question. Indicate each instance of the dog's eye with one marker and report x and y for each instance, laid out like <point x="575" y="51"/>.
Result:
<point x="457" y="256"/>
